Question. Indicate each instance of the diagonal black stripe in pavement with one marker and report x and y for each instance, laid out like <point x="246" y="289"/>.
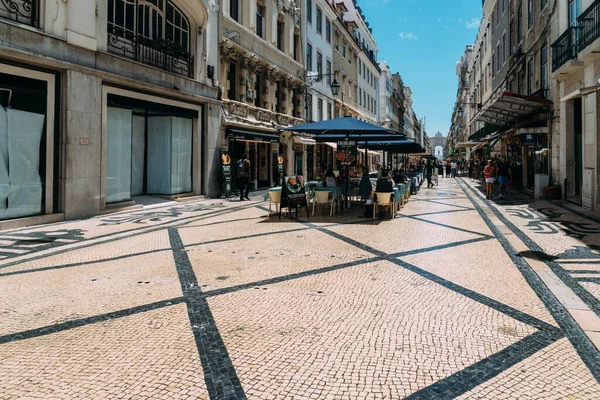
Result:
<point x="445" y="204"/>
<point x="587" y="279"/>
<point x="582" y="271"/>
<point x="63" y="326"/>
<point x="439" y="247"/>
<point x="136" y="232"/>
<point x="447" y="226"/>
<point x="220" y="376"/>
<point x="298" y="275"/>
<point x="437" y="212"/>
<point x="586" y="350"/>
<point x="592" y="302"/>
<point x="474" y="375"/>
<point x="83" y="263"/>
<point x="478" y="297"/>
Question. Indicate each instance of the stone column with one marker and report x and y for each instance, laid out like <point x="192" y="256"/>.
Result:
<point x="81" y="145"/>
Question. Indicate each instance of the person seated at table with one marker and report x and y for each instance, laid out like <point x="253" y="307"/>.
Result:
<point x="400" y="177"/>
<point x="330" y="178"/>
<point x="383" y="185"/>
<point x="390" y="178"/>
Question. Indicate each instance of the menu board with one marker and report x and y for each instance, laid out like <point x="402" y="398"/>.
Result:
<point x="280" y="168"/>
<point x="347" y="155"/>
<point x="226" y="172"/>
<point x="293" y="194"/>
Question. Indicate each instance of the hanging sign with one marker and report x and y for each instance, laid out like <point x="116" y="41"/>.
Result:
<point x="513" y="141"/>
<point x="347" y="155"/>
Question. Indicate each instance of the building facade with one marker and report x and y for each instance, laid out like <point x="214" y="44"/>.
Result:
<point x="575" y="73"/>
<point x="263" y="85"/>
<point x="103" y="101"/>
<point x="369" y="71"/>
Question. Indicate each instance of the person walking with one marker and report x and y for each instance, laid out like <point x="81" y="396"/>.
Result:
<point x="470" y="168"/>
<point x="448" y="169"/>
<point x="488" y="173"/>
<point x="243" y="175"/>
<point x="429" y="174"/>
<point x="504" y="175"/>
<point x="453" y="167"/>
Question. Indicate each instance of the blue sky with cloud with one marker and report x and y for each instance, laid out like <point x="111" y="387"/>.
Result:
<point x="423" y="40"/>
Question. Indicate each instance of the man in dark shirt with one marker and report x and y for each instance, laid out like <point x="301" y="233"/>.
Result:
<point x="504" y="175"/>
<point x="429" y="173"/>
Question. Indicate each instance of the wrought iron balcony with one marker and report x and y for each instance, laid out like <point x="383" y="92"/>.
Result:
<point x="22" y="11"/>
<point x="577" y="37"/>
<point x="157" y="53"/>
<point x="565" y="48"/>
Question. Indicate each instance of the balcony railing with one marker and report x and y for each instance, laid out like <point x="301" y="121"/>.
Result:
<point x="22" y="11"/>
<point x="577" y="37"/>
<point x="565" y="48"/>
<point x="156" y="53"/>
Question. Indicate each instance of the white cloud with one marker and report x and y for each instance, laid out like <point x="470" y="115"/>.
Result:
<point x="408" y="36"/>
<point x="473" y="23"/>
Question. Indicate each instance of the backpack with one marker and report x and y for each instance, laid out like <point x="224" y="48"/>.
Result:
<point x="242" y="169"/>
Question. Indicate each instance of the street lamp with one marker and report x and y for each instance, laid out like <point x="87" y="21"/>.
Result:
<point x="335" y="87"/>
<point x="315" y="77"/>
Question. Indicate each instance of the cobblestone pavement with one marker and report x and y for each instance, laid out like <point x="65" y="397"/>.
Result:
<point x="213" y="299"/>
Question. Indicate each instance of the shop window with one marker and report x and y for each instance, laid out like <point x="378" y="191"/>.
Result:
<point x="23" y="143"/>
<point x="147" y="153"/>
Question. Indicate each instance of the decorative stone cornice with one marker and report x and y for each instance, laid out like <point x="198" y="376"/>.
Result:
<point x="238" y="113"/>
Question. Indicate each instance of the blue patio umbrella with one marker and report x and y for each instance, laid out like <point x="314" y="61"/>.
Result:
<point x="344" y="125"/>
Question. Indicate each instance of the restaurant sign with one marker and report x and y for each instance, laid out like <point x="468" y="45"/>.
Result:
<point x="226" y="172"/>
<point x="347" y="154"/>
<point x="293" y="194"/>
<point x="513" y="140"/>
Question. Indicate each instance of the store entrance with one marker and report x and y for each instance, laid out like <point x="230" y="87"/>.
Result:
<point x="148" y="151"/>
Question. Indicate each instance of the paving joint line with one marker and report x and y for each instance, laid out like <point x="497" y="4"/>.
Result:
<point x="578" y="338"/>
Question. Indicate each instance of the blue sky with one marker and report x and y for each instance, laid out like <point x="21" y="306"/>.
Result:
<point x="423" y="40"/>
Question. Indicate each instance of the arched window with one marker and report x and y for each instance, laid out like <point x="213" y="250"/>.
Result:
<point x="154" y="32"/>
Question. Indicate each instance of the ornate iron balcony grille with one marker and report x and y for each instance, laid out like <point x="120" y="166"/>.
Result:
<point x="22" y="11"/>
<point x="157" y="53"/>
<point x="564" y="48"/>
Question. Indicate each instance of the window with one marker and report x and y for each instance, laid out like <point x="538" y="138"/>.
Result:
<point x="365" y="99"/>
<point x="260" y="12"/>
<point x="280" y="30"/>
<point x="344" y="51"/>
<point x="328" y="30"/>
<point x="319" y="63"/>
<point x="543" y="4"/>
<point x="257" y="90"/>
<point x="337" y="111"/>
<point x="309" y="11"/>
<point x="309" y="110"/>
<point x="520" y="79"/>
<point x="232" y="81"/>
<point x="234" y="9"/>
<point x="328" y="71"/>
<point x="574" y="11"/>
<point x="510" y="37"/>
<point x="529" y="13"/>
<point x="544" y="67"/>
<point x="296" y="46"/>
<point x="320" y="110"/>
<point x="150" y="21"/>
<point x="498" y="57"/>
<point x="493" y="65"/>
<point x="504" y="48"/>
<point x="359" y="66"/>
<point x="530" y="70"/>
<point x="309" y="57"/>
<point x="328" y="110"/>
<point x="319" y="21"/>
<point x="520" y="23"/>
<point x="360" y="97"/>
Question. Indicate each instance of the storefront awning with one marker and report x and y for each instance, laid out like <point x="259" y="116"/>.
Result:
<point x="252" y="136"/>
<point x="333" y="145"/>
<point x="461" y="145"/>
<point x="303" y="140"/>
<point x="510" y="108"/>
